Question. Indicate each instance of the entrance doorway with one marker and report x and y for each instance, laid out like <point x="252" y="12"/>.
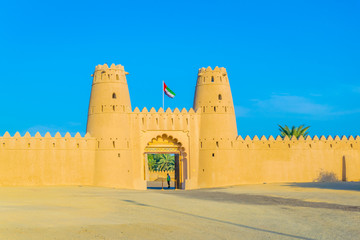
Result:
<point x="163" y="156"/>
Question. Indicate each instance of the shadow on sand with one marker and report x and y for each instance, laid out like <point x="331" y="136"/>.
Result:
<point x="350" y="186"/>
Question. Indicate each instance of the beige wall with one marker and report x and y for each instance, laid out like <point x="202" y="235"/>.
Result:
<point x="46" y="160"/>
<point x="269" y="160"/>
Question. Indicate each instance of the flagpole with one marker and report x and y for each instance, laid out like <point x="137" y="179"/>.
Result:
<point x="163" y="95"/>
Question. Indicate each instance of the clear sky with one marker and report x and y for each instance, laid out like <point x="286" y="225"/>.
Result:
<point x="289" y="62"/>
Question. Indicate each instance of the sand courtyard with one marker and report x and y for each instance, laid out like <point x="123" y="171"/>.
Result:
<point x="266" y="211"/>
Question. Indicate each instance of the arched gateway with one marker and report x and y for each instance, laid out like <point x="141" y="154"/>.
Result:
<point x="165" y="144"/>
<point x="200" y="138"/>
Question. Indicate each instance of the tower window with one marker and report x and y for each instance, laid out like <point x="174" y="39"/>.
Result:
<point x="212" y="79"/>
<point x="113" y="107"/>
<point x="114" y="96"/>
<point x="117" y="76"/>
<point x="213" y="154"/>
<point x="113" y="144"/>
<point x="217" y="144"/>
<point x="214" y="109"/>
<point x="220" y="97"/>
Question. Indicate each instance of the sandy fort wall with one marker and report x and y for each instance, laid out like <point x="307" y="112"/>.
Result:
<point x="47" y="160"/>
<point x="263" y="160"/>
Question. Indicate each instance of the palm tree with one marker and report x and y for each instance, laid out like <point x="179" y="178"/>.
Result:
<point x="166" y="162"/>
<point x="294" y="131"/>
<point x="152" y="163"/>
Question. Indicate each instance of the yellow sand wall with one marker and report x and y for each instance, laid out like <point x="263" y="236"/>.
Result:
<point x="46" y="160"/>
<point x="157" y="175"/>
<point x="281" y="160"/>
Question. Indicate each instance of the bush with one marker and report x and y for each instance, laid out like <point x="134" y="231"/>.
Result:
<point x="325" y="176"/>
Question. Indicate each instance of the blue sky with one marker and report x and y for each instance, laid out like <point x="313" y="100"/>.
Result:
<point x="289" y="62"/>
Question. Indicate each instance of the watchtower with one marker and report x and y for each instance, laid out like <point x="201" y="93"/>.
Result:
<point x="218" y="129"/>
<point x="109" y="122"/>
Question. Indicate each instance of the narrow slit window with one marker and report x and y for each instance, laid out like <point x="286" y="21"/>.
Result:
<point x="117" y="76"/>
<point x="77" y="145"/>
<point x="53" y="144"/>
<point x="200" y="144"/>
<point x="114" y="108"/>
<point x="217" y="144"/>
<point x="98" y="144"/>
<point x="143" y="121"/>
<point x="28" y="145"/>
<point x="114" y="96"/>
<point x="157" y="121"/>
<point x="220" y="97"/>
<point x="172" y="121"/>
<point x="102" y="108"/>
<point x="187" y="121"/>
<point x="213" y="154"/>
<point x="113" y="144"/>
<point x="214" y="109"/>
<point x="212" y="79"/>
<point x="118" y="154"/>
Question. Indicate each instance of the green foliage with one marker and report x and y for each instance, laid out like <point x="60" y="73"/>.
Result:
<point x="152" y="162"/>
<point x="294" y="131"/>
<point x="161" y="162"/>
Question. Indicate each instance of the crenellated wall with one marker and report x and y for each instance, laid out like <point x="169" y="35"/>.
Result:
<point x="263" y="160"/>
<point x="37" y="160"/>
<point x="208" y="150"/>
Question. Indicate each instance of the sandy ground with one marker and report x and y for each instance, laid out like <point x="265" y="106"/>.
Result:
<point x="268" y="211"/>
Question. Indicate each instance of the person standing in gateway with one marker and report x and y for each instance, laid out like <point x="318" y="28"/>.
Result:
<point x="168" y="180"/>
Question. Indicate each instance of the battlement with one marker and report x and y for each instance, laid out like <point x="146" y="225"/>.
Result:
<point x="165" y="120"/>
<point x="168" y="111"/>
<point x="298" y="143"/>
<point x="106" y="67"/>
<point x="37" y="141"/>
<point x="114" y="73"/>
<point x="208" y="75"/>
<point x="216" y="70"/>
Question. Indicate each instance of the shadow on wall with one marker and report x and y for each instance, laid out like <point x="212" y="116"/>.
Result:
<point x="351" y="186"/>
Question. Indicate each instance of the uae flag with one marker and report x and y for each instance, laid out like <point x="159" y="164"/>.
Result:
<point x="168" y="92"/>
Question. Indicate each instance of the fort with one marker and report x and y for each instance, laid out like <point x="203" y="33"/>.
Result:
<point x="209" y="153"/>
